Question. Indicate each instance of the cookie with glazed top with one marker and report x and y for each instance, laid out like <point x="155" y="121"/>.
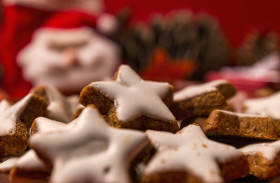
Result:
<point x="131" y="102"/>
<point x="28" y="162"/>
<point x="4" y="104"/>
<point x="264" y="159"/>
<point x="42" y="124"/>
<point x="189" y="156"/>
<point x="222" y="122"/>
<point x="16" y="121"/>
<point x="30" y="166"/>
<point x="60" y="107"/>
<point x="269" y="106"/>
<point x="201" y="100"/>
<point x="89" y="151"/>
<point x="7" y="164"/>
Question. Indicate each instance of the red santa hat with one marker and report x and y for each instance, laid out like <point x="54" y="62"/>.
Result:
<point x="104" y="23"/>
<point x="70" y="20"/>
<point x="20" y="23"/>
<point x="90" y="6"/>
<point x="67" y="27"/>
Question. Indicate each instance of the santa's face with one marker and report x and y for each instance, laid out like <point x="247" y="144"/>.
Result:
<point x="68" y="59"/>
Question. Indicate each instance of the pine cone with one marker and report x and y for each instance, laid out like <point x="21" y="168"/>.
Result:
<point x="182" y="35"/>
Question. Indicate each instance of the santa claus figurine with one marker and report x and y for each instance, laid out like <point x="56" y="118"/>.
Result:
<point x="62" y="43"/>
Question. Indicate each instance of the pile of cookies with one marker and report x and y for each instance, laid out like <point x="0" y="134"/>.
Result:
<point x="132" y="130"/>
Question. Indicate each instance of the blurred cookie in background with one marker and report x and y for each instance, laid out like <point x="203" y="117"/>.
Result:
<point x="256" y="46"/>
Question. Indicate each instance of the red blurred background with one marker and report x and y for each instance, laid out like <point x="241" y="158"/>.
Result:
<point x="237" y="18"/>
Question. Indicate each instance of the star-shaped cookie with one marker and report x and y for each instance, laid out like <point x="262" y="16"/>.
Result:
<point x="221" y="122"/>
<point x="60" y="107"/>
<point x="190" y="155"/>
<point x="131" y="102"/>
<point x="199" y="100"/>
<point x="15" y="122"/>
<point x="91" y="151"/>
<point x="264" y="159"/>
<point x="269" y="106"/>
<point x="29" y="165"/>
<point x="45" y="125"/>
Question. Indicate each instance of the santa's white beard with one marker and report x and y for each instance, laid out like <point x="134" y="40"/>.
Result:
<point x="72" y="78"/>
<point x="97" y="60"/>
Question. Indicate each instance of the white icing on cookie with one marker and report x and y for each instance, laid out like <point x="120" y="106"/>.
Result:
<point x="192" y="91"/>
<point x="92" y="151"/>
<point x="4" y="104"/>
<point x="242" y="114"/>
<point x="10" y="116"/>
<point x="47" y="125"/>
<point x="134" y="97"/>
<point x="189" y="150"/>
<point x="8" y="164"/>
<point x="268" y="150"/>
<point x="269" y="106"/>
<point x="30" y="162"/>
<point x="74" y="104"/>
<point x="60" y="108"/>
